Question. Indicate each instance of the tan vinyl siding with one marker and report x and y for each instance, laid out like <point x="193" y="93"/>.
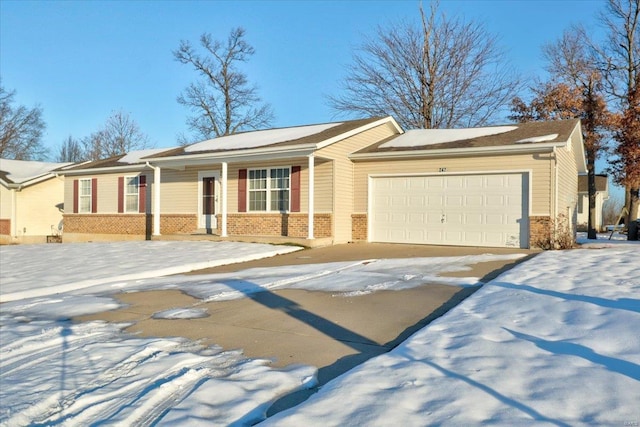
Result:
<point x="323" y="181"/>
<point x="538" y="164"/>
<point x="179" y="190"/>
<point x="6" y="202"/>
<point x="37" y="208"/>
<point x="567" y="183"/>
<point x="343" y="169"/>
<point x="108" y="192"/>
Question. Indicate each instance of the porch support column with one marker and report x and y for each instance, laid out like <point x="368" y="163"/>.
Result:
<point x="156" y="200"/>
<point x="311" y="195"/>
<point x="223" y="182"/>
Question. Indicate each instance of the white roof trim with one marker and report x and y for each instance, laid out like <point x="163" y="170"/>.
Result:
<point x="31" y="181"/>
<point x="459" y="151"/>
<point x="114" y="169"/>
<point x="224" y="156"/>
<point x="578" y="149"/>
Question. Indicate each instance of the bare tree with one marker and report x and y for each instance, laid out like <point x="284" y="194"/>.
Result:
<point x="571" y="63"/>
<point x="442" y="73"/>
<point x="70" y="151"/>
<point x="222" y="100"/>
<point x="625" y="164"/>
<point x="119" y="135"/>
<point x="619" y="61"/>
<point x="21" y="130"/>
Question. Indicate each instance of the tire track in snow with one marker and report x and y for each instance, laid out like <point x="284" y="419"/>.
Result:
<point x="31" y="351"/>
<point x="120" y="395"/>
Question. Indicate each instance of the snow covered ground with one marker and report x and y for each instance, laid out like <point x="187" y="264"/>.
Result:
<point x="554" y="340"/>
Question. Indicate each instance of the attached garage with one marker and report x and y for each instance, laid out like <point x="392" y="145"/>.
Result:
<point x="500" y="186"/>
<point x="465" y="210"/>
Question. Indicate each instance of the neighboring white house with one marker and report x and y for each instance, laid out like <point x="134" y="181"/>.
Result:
<point x="31" y="201"/>
<point x="602" y="194"/>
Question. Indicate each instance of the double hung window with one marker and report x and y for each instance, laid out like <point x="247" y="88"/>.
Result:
<point x="84" y="196"/>
<point x="131" y="194"/>
<point x="269" y="189"/>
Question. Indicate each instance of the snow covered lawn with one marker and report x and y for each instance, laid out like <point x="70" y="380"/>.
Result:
<point x="554" y="340"/>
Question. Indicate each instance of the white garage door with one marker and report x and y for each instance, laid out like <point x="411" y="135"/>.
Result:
<point x="461" y="210"/>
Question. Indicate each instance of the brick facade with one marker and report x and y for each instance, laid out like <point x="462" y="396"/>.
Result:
<point x="290" y="225"/>
<point x="178" y="223"/>
<point x="359" y="227"/>
<point x="5" y="227"/>
<point x="135" y="224"/>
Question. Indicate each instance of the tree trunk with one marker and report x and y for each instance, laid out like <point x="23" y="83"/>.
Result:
<point x="632" y="225"/>
<point x="591" y="185"/>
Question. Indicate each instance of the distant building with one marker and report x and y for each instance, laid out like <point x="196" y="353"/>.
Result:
<point x="602" y="194"/>
<point x="31" y="201"/>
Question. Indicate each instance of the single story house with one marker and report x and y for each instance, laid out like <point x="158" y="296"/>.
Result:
<point x="602" y="194"/>
<point x="31" y="201"/>
<point x="357" y="180"/>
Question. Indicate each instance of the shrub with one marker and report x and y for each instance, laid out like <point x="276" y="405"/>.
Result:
<point x="560" y="235"/>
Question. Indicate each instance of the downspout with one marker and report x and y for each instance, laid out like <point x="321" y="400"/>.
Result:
<point x="156" y="199"/>
<point x="556" y="187"/>
<point x="14" y="212"/>
<point x="223" y="225"/>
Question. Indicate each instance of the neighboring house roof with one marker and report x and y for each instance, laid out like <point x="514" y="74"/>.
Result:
<point x="22" y="173"/>
<point x="602" y="183"/>
<point x="513" y="138"/>
<point x="131" y="160"/>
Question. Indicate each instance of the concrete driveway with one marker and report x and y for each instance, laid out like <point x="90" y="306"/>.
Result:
<point x="315" y="328"/>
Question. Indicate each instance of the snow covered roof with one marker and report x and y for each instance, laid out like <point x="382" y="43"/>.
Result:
<point x="521" y="134"/>
<point x="133" y="158"/>
<point x="24" y="171"/>
<point x="136" y="156"/>
<point x="294" y="136"/>
<point x="258" y="138"/>
<point x="422" y="137"/>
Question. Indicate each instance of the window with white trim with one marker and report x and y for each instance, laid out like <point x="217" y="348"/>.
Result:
<point x="84" y="196"/>
<point x="131" y="192"/>
<point x="269" y="189"/>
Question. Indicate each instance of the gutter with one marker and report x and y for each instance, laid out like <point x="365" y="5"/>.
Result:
<point x="301" y="150"/>
<point x="135" y="167"/>
<point x="457" y="151"/>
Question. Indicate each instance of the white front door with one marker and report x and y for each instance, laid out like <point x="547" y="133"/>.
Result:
<point x="208" y="190"/>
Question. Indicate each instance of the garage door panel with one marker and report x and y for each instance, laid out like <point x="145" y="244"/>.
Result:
<point x="416" y="218"/>
<point x="473" y="219"/>
<point x="476" y="210"/>
<point x="456" y="200"/>
<point x="454" y="182"/>
<point x="474" y="237"/>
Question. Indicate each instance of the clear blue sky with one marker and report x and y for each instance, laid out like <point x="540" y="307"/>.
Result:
<point x="81" y="60"/>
